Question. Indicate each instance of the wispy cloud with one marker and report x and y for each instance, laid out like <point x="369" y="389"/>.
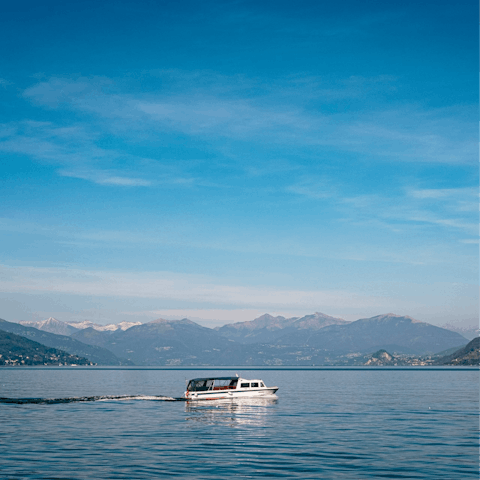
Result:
<point x="45" y="141"/>
<point x="182" y="294"/>
<point x="63" y="92"/>
<point x="214" y="106"/>
<point x="459" y="200"/>
<point x="312" y="188"/>
<point x="74" y="149"/>
<point x="106" y="178"/>
<point x="403" y="209"/>
<point x="181" y="233"/>
<point x="196" y="289"/>
<point x="470" y="241"/>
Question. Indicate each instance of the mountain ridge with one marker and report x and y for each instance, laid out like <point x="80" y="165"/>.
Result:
<point x="96" y="354"/>
<point x="467" y="355"/>
<point x="267" y="340"/>
<point x="60" y="327"/>
<point x="267" y="328"/>
<point x="18" y="350"/>
<point x="398" y="333"/>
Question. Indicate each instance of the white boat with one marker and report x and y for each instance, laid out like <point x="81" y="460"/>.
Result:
<point x="213" y="388"/>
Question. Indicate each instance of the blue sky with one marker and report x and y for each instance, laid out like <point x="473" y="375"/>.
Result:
<point x="219" y="160"/>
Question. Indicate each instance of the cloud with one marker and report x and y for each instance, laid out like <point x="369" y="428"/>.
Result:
<point x="414" y="134"/>
<point x="422" y="217"/>
<point x="120" y="295"/>
<point x="312" y="188"/>
<point x="58" y="92"/>
<point x="184" y="288"/>
<point x="74" y="148"/>
<point x="272" y="167"/>
<point x="447" y="208"/>
<point x="402" y="209"/>
<point x="50" y="143"/>
<point x="195" y="111"/>
<point x="106" y="178"/>
<point x="455" y="199"/>
<point x="432" y="193"/>
<point x="216" y="106"/>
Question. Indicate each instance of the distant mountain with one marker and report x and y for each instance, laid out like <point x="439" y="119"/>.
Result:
<point x="53" y="325"/>
<point x="95" y="354"/>
<point x="263" y="329"/>
<point x="18" y="350"/>
<point x="268" y="329"/>
<point x="467" y="355"/>
<point x="316" y="339"/>
<point x="317" y="321"/>
<point x="111" y="327"/>
<point x="468" y="332"/>
<point x="90" y="336"/>
<point x="396" y="333"/>
<point x="166" y="342"/>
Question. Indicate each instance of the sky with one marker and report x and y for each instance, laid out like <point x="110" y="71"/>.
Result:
<point x="218" y="160"/>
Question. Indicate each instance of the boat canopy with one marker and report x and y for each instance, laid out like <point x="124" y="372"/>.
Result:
<point x="212" y="383"/>
<point x="213" y="378"/>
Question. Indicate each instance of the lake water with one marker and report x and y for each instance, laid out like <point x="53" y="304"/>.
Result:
<point x="324" y="424"/>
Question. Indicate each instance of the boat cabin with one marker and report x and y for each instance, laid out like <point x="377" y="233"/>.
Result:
<point x="222" y="383"/>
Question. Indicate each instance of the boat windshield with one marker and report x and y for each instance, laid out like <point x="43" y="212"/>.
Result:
<point x="200" y="385"/>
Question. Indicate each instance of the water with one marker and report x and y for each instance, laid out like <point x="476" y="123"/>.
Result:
<point x="325" y="424"/>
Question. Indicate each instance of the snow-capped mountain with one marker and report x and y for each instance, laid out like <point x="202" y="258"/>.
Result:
<point x="53" y="325"/>
<point x="113" y="327"/>
<point x="469" y="332"/>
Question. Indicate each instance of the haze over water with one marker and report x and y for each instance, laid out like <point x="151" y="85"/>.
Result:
<point x="327" y="424"/>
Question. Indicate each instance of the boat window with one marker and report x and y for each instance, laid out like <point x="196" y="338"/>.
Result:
<point x="245" y="385"/>
<point x="222" y="383"/>
<point x="200" y="386"/>
<point x="254" y="385"/>
<point x="261" y="384"/>
<point x="233" y="384"/>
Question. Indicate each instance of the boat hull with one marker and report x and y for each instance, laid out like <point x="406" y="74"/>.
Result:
<point x="225" y="394"/>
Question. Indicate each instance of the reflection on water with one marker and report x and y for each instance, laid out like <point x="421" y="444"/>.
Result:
<point x="231" y="412"/>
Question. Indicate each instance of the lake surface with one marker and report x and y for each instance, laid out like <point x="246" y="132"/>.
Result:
<point x="324" y="424"/>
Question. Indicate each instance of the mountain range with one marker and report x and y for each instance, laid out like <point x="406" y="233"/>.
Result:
<point x="53" y="325"/>
<point x="268" y="329"/>
<point x="316" y="339"/>
<point x="401" y="334"/>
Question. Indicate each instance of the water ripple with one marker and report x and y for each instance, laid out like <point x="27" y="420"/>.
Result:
<point x="94" y="398"/>
<point x="328" y="425"/>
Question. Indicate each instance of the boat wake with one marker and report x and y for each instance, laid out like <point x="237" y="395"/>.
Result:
<point x="96" y="398"/>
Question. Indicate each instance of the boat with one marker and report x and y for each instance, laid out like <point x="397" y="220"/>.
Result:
<point x="213" y="388"/>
